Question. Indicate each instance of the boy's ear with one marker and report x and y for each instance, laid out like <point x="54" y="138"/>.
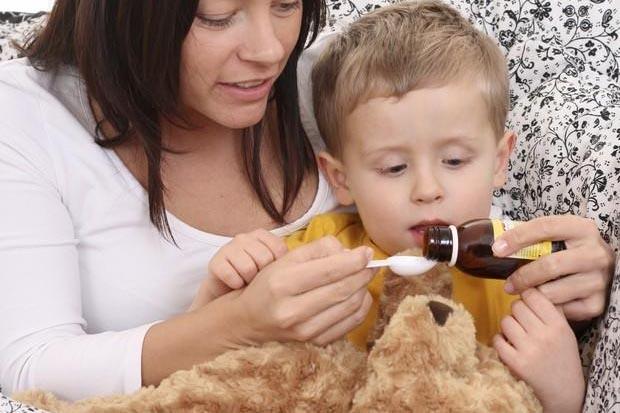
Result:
<point x="334" y="170"/>
<point x="504" y="149"/>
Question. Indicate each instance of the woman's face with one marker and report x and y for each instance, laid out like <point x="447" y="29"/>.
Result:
<point x="232" y="55"/>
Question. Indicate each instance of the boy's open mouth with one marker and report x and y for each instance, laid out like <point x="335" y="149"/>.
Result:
<point x="417" y="231"/>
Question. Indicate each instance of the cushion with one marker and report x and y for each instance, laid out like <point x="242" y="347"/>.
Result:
<point x="16" y="27"/>
<point x="11" y="406"/>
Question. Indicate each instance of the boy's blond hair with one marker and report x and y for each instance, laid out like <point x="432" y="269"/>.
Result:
<point x="397" y="49"/>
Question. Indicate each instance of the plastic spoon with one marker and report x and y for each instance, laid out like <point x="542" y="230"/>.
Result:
<point x="404" y="265"/>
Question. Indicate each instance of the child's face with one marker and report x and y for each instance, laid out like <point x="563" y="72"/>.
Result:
<point x="430" y="157"/>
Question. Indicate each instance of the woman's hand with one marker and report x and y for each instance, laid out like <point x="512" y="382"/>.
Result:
<point x="317" y="292"/>
<point x="575" y="279"/>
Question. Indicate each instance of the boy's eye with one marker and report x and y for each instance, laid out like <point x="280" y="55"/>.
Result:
<point x="393" y="170"/>
<point x="453" y="162"/>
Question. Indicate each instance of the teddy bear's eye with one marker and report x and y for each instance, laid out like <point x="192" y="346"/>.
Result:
<point x="440" y="311"/>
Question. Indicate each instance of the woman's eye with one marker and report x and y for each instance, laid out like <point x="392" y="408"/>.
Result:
<point x="393" y="170"/>
<point x="287" y="7"/>
<point x="216" y="23"/>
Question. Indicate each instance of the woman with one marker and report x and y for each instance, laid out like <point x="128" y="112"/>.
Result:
<point x="153" y="132"/>
<point x="187" y="99"/>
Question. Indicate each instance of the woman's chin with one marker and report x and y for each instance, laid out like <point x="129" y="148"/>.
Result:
<point x="243" y="118"/>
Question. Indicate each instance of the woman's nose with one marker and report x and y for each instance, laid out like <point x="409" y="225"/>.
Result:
<point x="262" y="44"/>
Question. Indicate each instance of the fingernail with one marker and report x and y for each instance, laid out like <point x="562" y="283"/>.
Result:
<point x="508" y="287"/>
<point x="369" y="253"/>
<point x="499" y="247"/>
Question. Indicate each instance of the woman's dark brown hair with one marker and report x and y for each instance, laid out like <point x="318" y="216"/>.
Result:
<point x="128" y="53"/>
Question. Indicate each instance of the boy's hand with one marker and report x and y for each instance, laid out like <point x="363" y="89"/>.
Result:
<point x="236" y="264"/>
<point x="539" y="346"/>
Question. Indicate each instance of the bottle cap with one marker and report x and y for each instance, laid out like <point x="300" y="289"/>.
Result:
<point x="455" y="245"/>
<point x="439" y="243"/>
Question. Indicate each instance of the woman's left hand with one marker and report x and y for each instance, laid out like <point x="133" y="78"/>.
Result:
<point x="577" y="279"/>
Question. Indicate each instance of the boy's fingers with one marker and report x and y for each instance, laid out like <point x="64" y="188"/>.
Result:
<point x="224" y="271"/>
<point x="217" y="288"/>
<point x="260" y="254"/>
<point x="513" y="332"/>
<point x="526" y="317"/>
<point x="540" y="305"/>
<point x="244" y="266"/>
<point x="274" y="243"/>
<point x="505" y="350"/>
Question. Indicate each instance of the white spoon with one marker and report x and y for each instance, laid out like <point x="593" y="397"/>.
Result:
<point x="404" y="265"/>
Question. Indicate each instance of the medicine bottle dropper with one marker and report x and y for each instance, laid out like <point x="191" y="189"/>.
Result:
<point x="468" y="248"/>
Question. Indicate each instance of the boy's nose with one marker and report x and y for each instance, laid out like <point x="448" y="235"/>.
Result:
<point x="426" y="189"/>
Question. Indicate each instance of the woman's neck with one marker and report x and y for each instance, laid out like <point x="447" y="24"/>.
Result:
<point x="205" y="181"/>
<point x="198" y="135"/>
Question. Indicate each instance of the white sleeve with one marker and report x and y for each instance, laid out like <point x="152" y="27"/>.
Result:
<point x="42" y="340"/>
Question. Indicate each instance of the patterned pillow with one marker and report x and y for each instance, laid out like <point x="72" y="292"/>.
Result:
<point x="12" y="406"/>
<point x="564" y="66"/>
<point x="15" y="27"/>
<point x="542" y="39"/>
<point x="567" y="158"/>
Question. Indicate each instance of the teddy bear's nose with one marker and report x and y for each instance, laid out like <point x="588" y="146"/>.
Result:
<point x="440" y="311"/>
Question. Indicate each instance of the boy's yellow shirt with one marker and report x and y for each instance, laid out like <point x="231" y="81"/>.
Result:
<point x="485" y="299"/>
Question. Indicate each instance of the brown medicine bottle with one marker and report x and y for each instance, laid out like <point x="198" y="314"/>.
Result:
<point x="468" y="248"/>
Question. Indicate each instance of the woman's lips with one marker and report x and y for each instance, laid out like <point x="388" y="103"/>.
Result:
<point x="241" y="91"/>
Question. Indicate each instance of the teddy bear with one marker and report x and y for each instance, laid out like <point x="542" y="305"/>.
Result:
<point x="423" y="357"/>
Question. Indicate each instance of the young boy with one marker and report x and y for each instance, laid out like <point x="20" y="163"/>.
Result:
<point x="411" y="101"/>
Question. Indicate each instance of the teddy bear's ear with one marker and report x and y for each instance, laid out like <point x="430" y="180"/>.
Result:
<point x="440" y="311"/>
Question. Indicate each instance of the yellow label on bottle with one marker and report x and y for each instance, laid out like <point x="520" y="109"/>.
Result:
<point x="532" y="252"/>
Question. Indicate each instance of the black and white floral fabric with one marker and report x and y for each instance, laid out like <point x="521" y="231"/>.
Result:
<point x="11" y="406"/>
<point x="564" y="63"/>
<point x="16" y="26"/>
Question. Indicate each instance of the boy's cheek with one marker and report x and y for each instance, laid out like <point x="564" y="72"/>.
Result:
<point x="470" y="202"/>
<point x="499" y="179"/>
<point x="343" y="196"/>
